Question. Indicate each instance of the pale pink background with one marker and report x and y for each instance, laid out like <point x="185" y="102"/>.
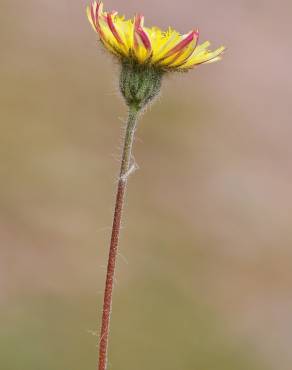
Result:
<point x="215" y="156"/>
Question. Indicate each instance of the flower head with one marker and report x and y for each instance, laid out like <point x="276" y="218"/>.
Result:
<point x="130" y="40"/>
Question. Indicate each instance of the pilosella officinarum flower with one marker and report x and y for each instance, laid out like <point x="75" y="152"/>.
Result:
<point x="147" y="53"/>
<point x="167" y="50"/>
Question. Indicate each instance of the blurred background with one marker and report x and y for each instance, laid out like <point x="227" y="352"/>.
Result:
<point x="204" y="278"/>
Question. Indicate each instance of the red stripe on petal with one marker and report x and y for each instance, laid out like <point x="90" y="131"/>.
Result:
<point x="139" y="30"/>
<point x="95" y="15"/>
<point x="113" y="28"/>
<point x="92" y="14"/>
<point x="145" y="39"/>
<point x="197" y="35"/>
<point x="189" y="54"/>
<point x="182" y="44"/>
<point x="137" y="22"/>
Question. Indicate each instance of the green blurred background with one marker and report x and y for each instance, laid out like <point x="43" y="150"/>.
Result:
<point x="204" y="273"/>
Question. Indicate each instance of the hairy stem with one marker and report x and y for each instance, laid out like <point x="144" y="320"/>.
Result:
<point x="122" y="184"/>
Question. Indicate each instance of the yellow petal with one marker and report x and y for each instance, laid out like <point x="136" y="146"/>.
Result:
<point x="202" y="55"/>
<point x="162" y="42"/>
<point x="88" y="12"/>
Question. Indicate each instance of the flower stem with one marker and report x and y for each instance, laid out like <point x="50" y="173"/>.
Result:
<point x="120" y="197"/>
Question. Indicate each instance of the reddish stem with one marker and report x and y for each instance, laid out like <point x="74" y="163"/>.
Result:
<point x="124" y="173"/>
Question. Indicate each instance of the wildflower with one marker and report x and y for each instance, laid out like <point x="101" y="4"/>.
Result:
<point x="130" y="40"/>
